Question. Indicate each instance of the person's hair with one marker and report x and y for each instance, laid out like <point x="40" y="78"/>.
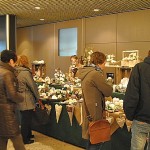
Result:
<point x="7" y="55"/>
<point x="23" y="61"/>
<point x="149" y="53"/>
<point x="97" y="58"/>
<point x="74" y="56"/>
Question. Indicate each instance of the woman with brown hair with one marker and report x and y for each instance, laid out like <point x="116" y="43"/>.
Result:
<point x="28" y="89"/>
<point x="75" y="65"/>
<point x="94" y="90"/>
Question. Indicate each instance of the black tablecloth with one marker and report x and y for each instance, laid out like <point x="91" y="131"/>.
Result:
<point x="72" y="134"/>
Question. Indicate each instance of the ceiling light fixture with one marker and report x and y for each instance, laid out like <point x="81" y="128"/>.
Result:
<point x="37" y="7"/>
<point x="96" y="9"/>
<point x="42" y="19"/>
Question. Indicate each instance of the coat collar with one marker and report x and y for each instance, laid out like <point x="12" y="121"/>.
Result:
<point x="7" y="66"/>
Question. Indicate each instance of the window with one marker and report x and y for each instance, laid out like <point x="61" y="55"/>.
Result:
<point x="67" y="42"/>
<point x="2" y="33"/>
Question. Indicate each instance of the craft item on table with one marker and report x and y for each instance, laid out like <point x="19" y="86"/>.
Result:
<point x="70" y="110"/>
<point x="78" y="113"/>
<point x="48" y="107"/>
<point x="121" y="120"/>
<point x="128" y="123"/>
<point x="110" y="119"/>
<point x="54" y="97"/>
<point x="58" y="109"/>
<point x="108" y="98"/>
<point x="110" y="107"/>
<point x="70" y="101"/>
<point x="47" y="80"/>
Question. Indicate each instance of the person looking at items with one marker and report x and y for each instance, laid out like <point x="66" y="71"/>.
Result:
<point x="137" y="102"/>
<point x="94" y="90"/>
<point x="9" y="98"/>
<point x="75" y="65"/>
<point x="28" y="89"/>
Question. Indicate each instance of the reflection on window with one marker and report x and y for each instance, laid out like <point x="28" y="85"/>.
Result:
<point x="67" y="44"/>
<point x="2" y="45"/>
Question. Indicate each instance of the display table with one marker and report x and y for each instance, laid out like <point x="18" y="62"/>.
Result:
<point x="118" y="95"/>
<point x="63" y="129"/>
<point x="72" y="134"/>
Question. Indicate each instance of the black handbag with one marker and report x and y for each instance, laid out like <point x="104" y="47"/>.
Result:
<point x="40" y="115"/>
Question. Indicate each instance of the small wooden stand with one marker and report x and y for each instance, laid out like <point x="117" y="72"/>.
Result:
<point x="39" y="69"/>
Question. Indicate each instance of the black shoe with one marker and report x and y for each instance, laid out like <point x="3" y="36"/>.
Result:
<point x="29" y="142"/>
<point x="31" y="136"/>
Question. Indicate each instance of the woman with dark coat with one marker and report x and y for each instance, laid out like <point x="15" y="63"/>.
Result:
<point x="9" y="98"/>
<point x="94" y="90"/>
<point x="28" y="89"/>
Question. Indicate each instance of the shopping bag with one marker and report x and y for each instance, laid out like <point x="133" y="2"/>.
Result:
<point x="40" y="115"/>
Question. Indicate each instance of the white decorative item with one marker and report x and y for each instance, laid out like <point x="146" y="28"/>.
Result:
<point x="128" y="123"/>
<point x="130" y="58"/>
<point x="48" y="107"/>
<point x="110" y="119"/>
<point x="58" y="109"/>
<point x="120" y="121"/>
<point x="70" y="110"/>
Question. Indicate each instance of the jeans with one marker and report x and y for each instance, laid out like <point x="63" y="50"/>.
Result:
<point x="16" y="140"/>
<point x="140" y="132"/>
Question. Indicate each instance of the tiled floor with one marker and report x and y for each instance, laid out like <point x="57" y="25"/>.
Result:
<point x="43" y="142"/>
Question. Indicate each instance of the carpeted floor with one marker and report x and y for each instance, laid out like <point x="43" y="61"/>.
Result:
<point x="43" y="142"/>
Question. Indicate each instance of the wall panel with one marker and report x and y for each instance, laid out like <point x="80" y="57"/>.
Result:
<point x="110" y="34"/>
<point x="101" y="29"/>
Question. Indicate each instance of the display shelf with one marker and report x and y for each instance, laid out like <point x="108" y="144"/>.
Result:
<point x="39" y="69"/>
<point x="119" y="72"/>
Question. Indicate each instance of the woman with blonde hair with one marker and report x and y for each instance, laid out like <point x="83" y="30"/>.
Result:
<point x="28" y="89"/>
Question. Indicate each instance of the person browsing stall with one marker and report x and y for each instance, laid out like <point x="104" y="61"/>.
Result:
<point x="28" y="89"/>
<point x="94" y="90"/>
<point x="136" y="103"/>
<point x="9" y="98"/>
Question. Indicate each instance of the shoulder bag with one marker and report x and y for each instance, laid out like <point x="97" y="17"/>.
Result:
<point x="99" y="130"/>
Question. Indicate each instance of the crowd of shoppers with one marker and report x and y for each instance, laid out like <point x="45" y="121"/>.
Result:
<point x="18" y="90"/>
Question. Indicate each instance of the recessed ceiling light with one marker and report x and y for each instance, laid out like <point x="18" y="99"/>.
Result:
<point x="96" y="9"/>
<point x="37" y="8"/>
<point x="42" y="19"/>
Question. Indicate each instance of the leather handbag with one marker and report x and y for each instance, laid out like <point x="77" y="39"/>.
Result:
<point x="99" y="130"/>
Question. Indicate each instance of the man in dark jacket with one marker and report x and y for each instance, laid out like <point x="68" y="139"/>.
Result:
<point x="137" y="103"/>
<point x="9" y="127"/>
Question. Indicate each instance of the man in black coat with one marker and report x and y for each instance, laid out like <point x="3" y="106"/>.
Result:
<point x="137" y="103"/>
<point x="9" y="127"/>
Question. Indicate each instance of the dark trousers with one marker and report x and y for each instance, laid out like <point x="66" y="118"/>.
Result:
<point x="16" y="140"/>
<point x="26" y="120"/>
<point x="100" y="146"/>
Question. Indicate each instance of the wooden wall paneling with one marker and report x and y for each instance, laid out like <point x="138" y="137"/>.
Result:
<point x="43" y="46"/>
<point x="133" y="26"/>
<point x="101" y="29"/>
<point x="25" y="42"/>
